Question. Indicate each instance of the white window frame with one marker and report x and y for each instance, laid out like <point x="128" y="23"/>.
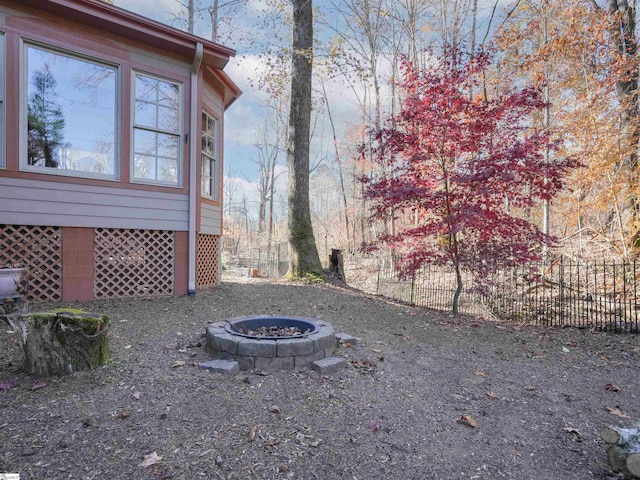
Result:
<point x="180" y="133"/>
<point x="3" y="74"/>
<point x="24" y="166"/>
<point x="212" y="158"/>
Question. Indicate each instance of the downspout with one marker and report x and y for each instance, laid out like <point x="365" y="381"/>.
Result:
<point x="194" y="138"/>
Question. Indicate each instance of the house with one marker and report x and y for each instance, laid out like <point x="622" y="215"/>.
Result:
<point x="110" y="151"/>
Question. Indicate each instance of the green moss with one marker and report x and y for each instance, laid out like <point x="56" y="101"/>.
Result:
<point x="90" y="322"/>
<point x="75" y="311"/>
<point x="309" y="277"/>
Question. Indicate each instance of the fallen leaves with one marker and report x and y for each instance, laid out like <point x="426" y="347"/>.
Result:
<point x="37" y="386"/>
<point x="364" y="365"/>
<point x="9" y="384"/>
<point x="275" y="409"/>
<point x="374" y="427"/>
<point x="617" y="412"/>
<point x="468" y="420"/>
<point x="253" y="432"/>
<point x="572" y="431"/>
<point x="529" y="388"/>
<point x="124" y="414"/>
<point x="178" y="364"/>
<point x="480" y="373"/>
<point x="136" y="395"/>
<point x="493" y="396"/>
<point x="150" y="460"/>
<point x="268" y="445"/>
<point x="611" y="387"/>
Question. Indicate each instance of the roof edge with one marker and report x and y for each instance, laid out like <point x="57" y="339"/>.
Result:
<point x="130" y="25"/>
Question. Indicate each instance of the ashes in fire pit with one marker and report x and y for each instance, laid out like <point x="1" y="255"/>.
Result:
<point x="267" y="332"/>
<point x="265" y="342"/>
<point x="271" y="327"/>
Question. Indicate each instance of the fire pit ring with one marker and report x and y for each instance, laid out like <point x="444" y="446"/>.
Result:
<point x="251" y="326"/>
<point x="235" y="340"/>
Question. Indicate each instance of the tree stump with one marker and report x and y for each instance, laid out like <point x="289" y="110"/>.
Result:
<point x="61" y="341"/>
<point x="624" y="449"/>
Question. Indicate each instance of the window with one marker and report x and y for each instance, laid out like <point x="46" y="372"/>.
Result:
<point x="209" y="157"/>
<point x="156" y="130"/>
<point x="71" y="112"/>
<point x="2" y="80"/>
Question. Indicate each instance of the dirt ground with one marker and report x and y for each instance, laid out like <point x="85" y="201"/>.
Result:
<point x="539" y="397"/>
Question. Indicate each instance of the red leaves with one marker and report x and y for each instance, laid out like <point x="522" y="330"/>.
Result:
<point x="454" y="163"/>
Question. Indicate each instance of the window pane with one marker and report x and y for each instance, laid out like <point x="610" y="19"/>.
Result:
<point x="145" y="142"/>
<point x="146" y="114"/>
<point x="168" y="119"/>
<point x="145" y="167"/>
<point x="167" y="170"/>
<point x="157" y="108"/>
<point x="146" y="89"/>
<point x="167" y="145"/>
<point x="157" y="104"/>
<point x="71" y="105"/>
<point x="209" y="164"/>
<point x="168" y="95"/>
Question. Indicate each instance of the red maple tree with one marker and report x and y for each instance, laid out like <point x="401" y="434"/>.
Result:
<point x="466" y="169"/>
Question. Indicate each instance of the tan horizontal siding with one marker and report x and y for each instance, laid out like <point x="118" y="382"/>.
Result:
<point x="28" y="202"/>
<point x="210" y="219"/>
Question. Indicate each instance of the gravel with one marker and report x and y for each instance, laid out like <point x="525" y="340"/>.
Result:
<point x="423" y="396"/>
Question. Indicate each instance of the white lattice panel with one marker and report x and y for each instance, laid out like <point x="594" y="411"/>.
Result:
<point x="133" y="263"/>
<point x="207" y="261"/>
<point x="39" y="250"/>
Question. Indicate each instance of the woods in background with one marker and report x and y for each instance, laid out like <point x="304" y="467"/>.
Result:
<point x="580" y="56"/>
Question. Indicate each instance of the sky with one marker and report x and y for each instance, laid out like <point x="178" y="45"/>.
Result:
<point x="247" y="36"/>
<point x="240" y="135"/>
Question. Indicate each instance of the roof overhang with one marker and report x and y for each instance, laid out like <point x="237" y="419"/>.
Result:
<point x="231" y="90"/>
<point x="135" y="27"/>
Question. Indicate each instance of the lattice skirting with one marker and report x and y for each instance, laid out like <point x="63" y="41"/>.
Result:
<point x="207" y="260"/>
<point x="39" y="250"/>
<point x="133" y="263"/>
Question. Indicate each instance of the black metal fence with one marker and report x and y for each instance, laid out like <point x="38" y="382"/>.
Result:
<point x="602" y="296"/>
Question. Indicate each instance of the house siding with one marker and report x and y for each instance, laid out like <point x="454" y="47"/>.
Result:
<point x="211" y="213"/>
<point x="210" y="219"/>
<point x="33" y="202"/>
<point x="66" y="225"/>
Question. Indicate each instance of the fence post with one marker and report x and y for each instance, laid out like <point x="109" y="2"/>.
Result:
<point x="413" y="281"/>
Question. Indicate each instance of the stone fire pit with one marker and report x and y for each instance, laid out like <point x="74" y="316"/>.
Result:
<point x="269" y="342"/>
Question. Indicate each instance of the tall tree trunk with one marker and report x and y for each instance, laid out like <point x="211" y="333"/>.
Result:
<point x="339" y="163"/>
<point x="546" y="204"/>
<point x="213" y="13"/>
<point x="303" y="252"/>
<point x="190" y="16"/>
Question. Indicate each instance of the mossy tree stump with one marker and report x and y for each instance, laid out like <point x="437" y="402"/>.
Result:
<point x="61" y="341"/>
